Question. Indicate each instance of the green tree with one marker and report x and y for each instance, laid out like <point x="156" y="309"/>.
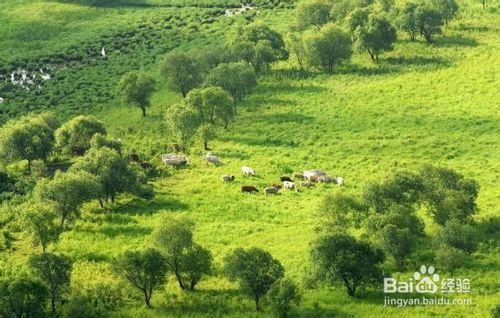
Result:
<point x="458" y="235"/>
<point x="242" y="50"/>
<point x="340" y="258"/>
<point x="283" y="294"/>
<point x="55" y="272"/>
<point x="74" y="136"/>
<point x="39" y="222"/>
<point x="398" y="231"/>
<point x="295" y="45"/>
<point x="257" y="31"/>
<point x="237" y="78"/>
<point x="145" y="270"/>
<point x="449" y="195"/>
<point x="255" y="270"/>
<point x="429" y="20"/>
<point x="67" y="192"/>
<point x="450" y="258"/>
<point x="342" y="210"/>
<point x="195" y="263"/>
<point x="375" y="36"/>
<point x="114" y="173"/>
<point x="401" y="188"/>
<point x="99" y="141"/>
<point x="23" y="297"/>
<point x="407" y="20"/>
<point x="212" y="103"/>
<point x="173" y="238"/>
<point x="264" y="56"/>
<point x="182" y="71"/>
<point x="447" y="8"/>
<point x="211" y="56"/>
<point x="136" y="88"/>
<point x="312" y="13"/>
<point x="207" y="133"/>
<point x="357" y="18"/>
<point x="183" y="121"/>
<point x="29" y="138"/>
<point x="327" y="47"/>
<point x="342" y="8"/>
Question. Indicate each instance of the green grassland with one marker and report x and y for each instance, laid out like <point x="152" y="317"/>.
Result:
<point x="420" y="104"/>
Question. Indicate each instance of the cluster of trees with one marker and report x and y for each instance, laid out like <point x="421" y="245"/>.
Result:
<point x="98" y="171"/>
<point x="325" y="34"/>
<point x="215" y="80"/>
<point x="387" y="212"/>
<point x="257" y="273"/>
<point x="212" y="81"/>
<point x="41" y="291"/>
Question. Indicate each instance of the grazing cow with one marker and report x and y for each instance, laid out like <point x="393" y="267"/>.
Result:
<point x="309" y="174"/>
<point x="227" y="178"/>
<point x="247" y="171"/>
<point x="209" y="158"/>
<point x="249" y="189"/>
<point x="313" y="178"/>
<point x="340" y="181"/>
<point x="271" y="190"/>
<point x="135" y="157"/>
<point x="283" y="179"/>
<point x="298" y="176"/>
<point x="173" y="160"/>
<point x="306" y="184"/>
<point x="325" y="179"/>
<point x="289" y="185"/>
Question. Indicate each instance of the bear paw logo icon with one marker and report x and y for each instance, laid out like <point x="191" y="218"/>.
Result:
<point x="426" y="280"/>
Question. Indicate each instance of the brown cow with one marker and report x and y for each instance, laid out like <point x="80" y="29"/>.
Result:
<point x="249" y="189"/>
<point x="271" y="190"/>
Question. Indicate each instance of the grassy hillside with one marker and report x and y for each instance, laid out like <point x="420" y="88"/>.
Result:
<point x="420" y="104"/>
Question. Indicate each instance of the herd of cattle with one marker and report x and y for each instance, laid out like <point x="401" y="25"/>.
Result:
<point x="307" y="179"/>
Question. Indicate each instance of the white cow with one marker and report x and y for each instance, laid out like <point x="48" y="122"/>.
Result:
<point x="209" y="158"/>
<point x="340" y="181"/>
<point x="313" y="174"/>
<point x="247" y="171"/>
<point x="289" y="185"/>
<point x="326" y="179"/>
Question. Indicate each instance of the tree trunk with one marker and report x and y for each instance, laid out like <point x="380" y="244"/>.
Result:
<point x="101" y="203"/>
<point x="53" y="305"/>
<point x="205" y="145"/>
<point x="143" y="111"/>
<point x="257" y="303"/>
<point x="179" y="279"/>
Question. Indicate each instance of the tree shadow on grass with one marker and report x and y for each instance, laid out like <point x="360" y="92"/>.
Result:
<point x="417" y="61"/>
<point x="471" y="28"/>
<point x="455" y="41"/>
<point x="284" y="88"/>
<point x="262" y="142"/>
<point x="354" y="69"/>
<point x="145" y="207"/>
<point x="234" y="154"/>
<point x="131" y="230"/>
<point x="209" y="302"/>
<point x="488" y="231"/>
<point x="280" y="118"/>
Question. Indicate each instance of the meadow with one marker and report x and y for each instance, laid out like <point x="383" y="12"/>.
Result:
<point x="421" y="104"/>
